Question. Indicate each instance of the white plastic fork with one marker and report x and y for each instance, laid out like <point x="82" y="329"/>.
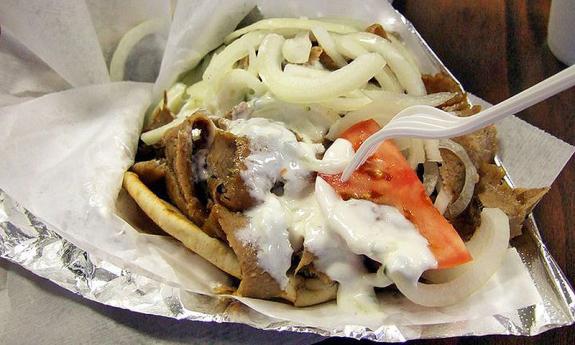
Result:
<point x="422" y="121"/>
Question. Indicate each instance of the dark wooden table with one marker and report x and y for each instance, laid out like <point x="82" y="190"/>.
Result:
<point x="496" y="49"/>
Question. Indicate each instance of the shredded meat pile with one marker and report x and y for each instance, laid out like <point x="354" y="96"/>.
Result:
<point x="481" y="147"/>
<point x="202" y="176"/>
<point x="225" y="162"/>
<point x="180" y="174"/>
<point x="200" y="165"/>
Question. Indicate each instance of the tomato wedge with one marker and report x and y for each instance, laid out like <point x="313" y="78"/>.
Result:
<point x="386" y="178"/>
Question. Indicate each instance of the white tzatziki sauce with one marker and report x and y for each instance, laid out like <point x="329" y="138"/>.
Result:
<point x="268" y="230"/>
<point x="277" y="225"/>
<point x="333" y="257"/>
<point x="275" y="156"/>
<point x="311" y="214"/>
<point x="379" y="232"/>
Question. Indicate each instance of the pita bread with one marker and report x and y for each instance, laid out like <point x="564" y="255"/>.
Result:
<point x="172" y="221"/>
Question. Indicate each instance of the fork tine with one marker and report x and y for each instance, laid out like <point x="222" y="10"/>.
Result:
<point x="422" y="121"/>
<point x="364" y="152"/>
<point x="418" y="126"/>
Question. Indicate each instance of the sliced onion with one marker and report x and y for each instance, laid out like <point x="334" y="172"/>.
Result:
<point x="346" y="104"/>
<point x="388" y="81"/>
<point x="305" y="90"/>
<point x="234" y="87"/>
<point x="477" y="245"/>
<point x="175" y="96"/>
<point x="403" y="101"/>
<point x="378" y="279"/>
<point x="155" y="135"/>
<point x="384" y="107"/>
<point x="297" y="24"/>
<point x="442" y="199"/>
<point x="297" y="49"/>
<point x="224" y="61"/>
<point x="403" y="50"/>
<point x="387" y="104"/>
<point x="253" y="62"/>
<point x="471" y="178"/>
<point x="494" y="234"/>
<point x="328" y="44"/>
<point x="408" y="76"/>
<point x="195" y="75"/>
<point x="310" y="122"/>
<point x="430" y="176"/>
<point x="304" y="71"/>
<point x="349" y="47"/>
<point x="356" y="93"/>
<point x="198" y="93"/>
<point x="129" y="41"/>
<point x="402" y="143"/>
<point x="345" y="122"/>
<point x="432" y="153"/>
<point x="354" y="23"/>
<point x="416" y="153"/>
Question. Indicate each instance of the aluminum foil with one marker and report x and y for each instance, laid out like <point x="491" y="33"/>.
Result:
<point x="35" y="245"/>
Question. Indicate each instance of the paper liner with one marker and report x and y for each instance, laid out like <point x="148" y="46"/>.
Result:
<point x="27" y="241"/>
<point x="65" y="153"/>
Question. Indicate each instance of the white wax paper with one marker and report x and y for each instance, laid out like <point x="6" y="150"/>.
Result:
<point x="23" y="75"/>
<point x="63" y="154"/>
<point x="60" y="33"/>
<point x="520" y="158"/>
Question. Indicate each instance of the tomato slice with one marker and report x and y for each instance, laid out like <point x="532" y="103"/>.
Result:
<point x="386" y="178"/>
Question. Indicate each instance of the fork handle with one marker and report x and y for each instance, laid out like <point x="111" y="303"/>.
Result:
<point x="523" y="100"/>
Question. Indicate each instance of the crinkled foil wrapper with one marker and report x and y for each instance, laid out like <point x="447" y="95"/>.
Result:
<point x="35" y="245"/>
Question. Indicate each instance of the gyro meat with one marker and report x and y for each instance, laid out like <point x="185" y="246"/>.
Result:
<point x="183" y="148"/>
<point x="224" y="164"/>
<point x="258" y="179"/>
<point x="517" y="203"/>
<point x="481" y="145"/>
<point x="150" y="171"/>
<point x="256" y="282"/>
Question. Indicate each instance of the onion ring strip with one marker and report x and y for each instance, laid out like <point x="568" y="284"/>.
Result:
<point x="471" y="178"/>
<point x="494" y="231"/>
<point x="304" y="90"/>
<point x="328" y="44"/>
<point x="224" y="61"/>
<point x="129" y="41"/>
<point x="408" y="76"/>
<point x="430" y="176"/>
<point x="297" y="24"/>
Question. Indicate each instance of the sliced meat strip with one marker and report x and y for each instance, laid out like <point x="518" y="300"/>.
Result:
<point x="212" y="225"/>
<point x="377" y="29"/>
<point x="452" y="172"/>
<point x="172" y="221"/>
<point x="314" y="55"/>
<point x="150" y="171"/>
<point x="442" y="82"/>
<point x="481" y="145"/>
<point x="184" y="188"/>
<point x="161" y="117"/>
<point x="516" y="203"/>
<point x="255" y="281"/>
<point x="327" y="61"/>
<point x="225" y="163"/>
